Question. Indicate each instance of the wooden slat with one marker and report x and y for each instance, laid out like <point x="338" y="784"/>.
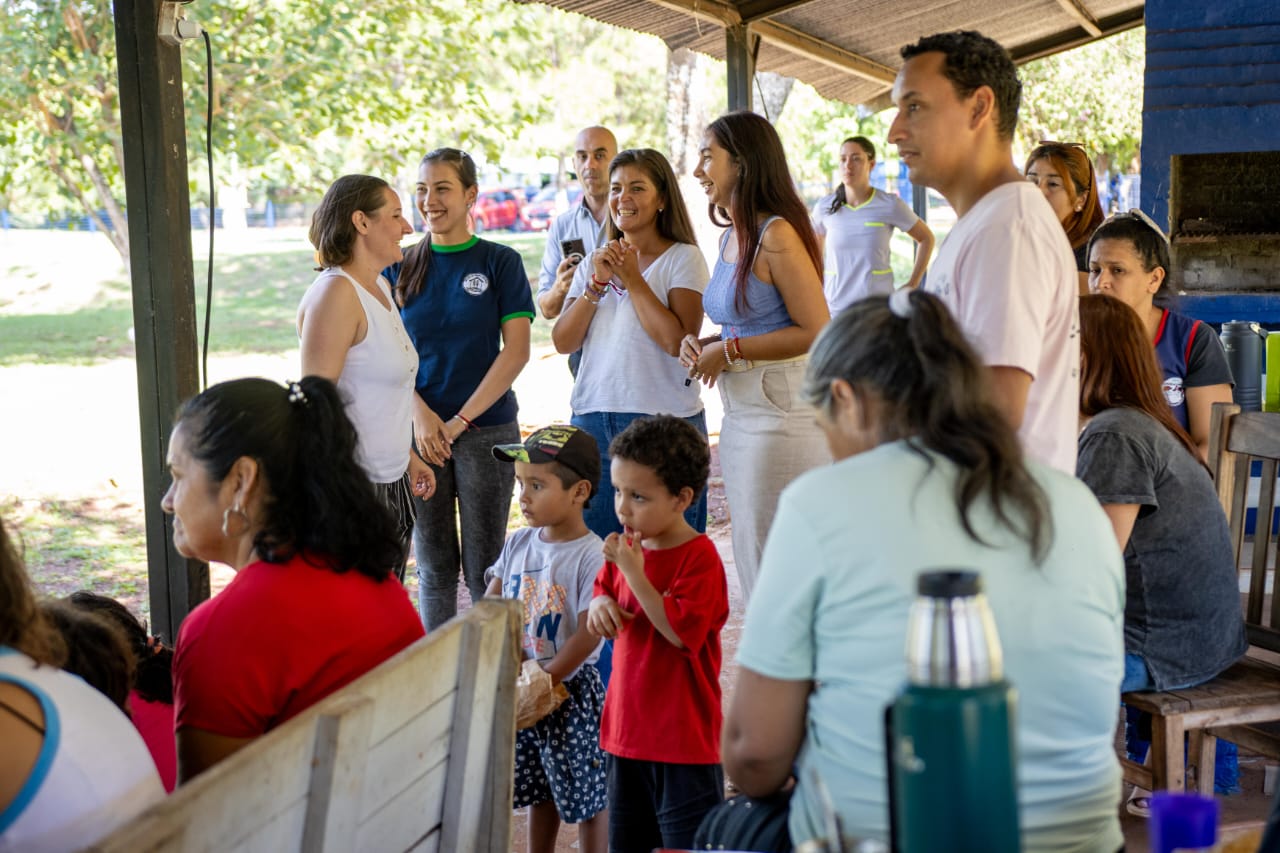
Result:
<point x="1256" y="434"/>
<point x="419" y="676"/>
<point x="1262" y="738"/>
<point x="409" y="817"/>
<point x="399" y="761"/>
<point x="475" y="713"/>
<point x="337" y="776"/>
<point x="1166" y="751"/>
<point x="1219" y="415"/>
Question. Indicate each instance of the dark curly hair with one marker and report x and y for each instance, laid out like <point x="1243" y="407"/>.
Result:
<point x="671" y="446"/>
<point x="935" y="395"/>
<point x="153" y="675"/>
<point x="319" y="501"/>
<point x="97" y="650"/>
<point x="973" y="60"/>
<point x="22" y="624"/>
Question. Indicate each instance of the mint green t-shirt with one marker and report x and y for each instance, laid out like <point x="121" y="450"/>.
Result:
<point x="837" y="579"/>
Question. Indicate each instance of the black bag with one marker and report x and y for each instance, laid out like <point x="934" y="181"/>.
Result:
<point x="746" y="823"/>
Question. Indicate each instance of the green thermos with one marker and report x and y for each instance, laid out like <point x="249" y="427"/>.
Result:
<point x="949" y="734"/>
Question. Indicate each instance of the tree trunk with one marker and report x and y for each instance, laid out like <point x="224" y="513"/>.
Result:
<point x="771" y="92"/>
<point x="686" y="116"/>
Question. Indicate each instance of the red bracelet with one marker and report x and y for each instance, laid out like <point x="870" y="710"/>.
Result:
<point x="468" y="424"/>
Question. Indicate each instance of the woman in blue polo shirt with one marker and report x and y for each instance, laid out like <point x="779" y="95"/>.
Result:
<point x="855" y="226"/>
<point x="467" y="306"/>
<point x="1129" y="260"/>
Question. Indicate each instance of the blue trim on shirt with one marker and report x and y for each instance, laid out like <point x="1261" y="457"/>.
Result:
<point x="49" y="749"/>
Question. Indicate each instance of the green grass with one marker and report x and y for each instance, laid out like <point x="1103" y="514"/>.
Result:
<point x="259" y="277"/>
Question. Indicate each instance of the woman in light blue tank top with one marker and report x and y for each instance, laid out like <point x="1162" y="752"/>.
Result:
<point x="766" y="294"/>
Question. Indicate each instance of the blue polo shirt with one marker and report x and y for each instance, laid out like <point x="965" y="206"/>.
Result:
<point x="455" y="323"/>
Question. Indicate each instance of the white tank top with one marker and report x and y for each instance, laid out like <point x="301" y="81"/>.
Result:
<point x="378" y="382"/>
<point x="93" y="774"/>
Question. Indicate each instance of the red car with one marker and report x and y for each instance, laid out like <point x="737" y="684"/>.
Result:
<point x="497" y="208"/>
<point x="549" y="203"/>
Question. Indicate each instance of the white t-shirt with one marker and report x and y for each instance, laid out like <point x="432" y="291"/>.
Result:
<point x="623" y="369"/>
<point x="93" y="775"/>
<point x="857" y="246"/>
<point x="377" y="383"/>
<point x="1007" y="273"/>
<point x="836" y="583"/>
<point x="554" y="582"/>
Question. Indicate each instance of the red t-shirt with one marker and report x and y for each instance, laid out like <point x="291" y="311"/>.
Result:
<point x="663" y="703"/>
<point x="154" y="721"/>
<point x="280" y="638"/>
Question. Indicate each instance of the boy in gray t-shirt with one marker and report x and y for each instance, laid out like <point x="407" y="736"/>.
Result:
<point x="550" y="567"/>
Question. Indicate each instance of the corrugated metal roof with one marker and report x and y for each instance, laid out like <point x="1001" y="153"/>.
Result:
<point x="844" y="47"/>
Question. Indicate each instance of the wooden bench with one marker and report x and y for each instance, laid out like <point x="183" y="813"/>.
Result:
<point x="416" y="755"/>
<point x="1237" y="705"/>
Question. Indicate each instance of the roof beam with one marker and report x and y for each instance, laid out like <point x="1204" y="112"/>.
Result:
<point x="1055" y="44"/>
<point x="711" y="11"/>
<point x="1077" y="10"/>
<point x="811" y="47"/>
<point x="756" y="10"/>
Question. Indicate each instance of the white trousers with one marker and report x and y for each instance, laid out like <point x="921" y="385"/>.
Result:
<point x="768" y="438"/>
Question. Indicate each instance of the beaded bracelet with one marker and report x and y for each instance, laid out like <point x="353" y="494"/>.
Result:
<point x="732" y="359"/>
<point x="587" y="296"/>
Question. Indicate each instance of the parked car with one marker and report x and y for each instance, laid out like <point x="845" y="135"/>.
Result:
<point x="550" y="202"/>
<point x="497" y="208"/>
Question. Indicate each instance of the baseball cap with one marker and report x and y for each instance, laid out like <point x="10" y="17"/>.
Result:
<point x="571" y="447"/>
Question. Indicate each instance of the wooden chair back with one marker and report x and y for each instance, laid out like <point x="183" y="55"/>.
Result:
<point x="1237" y="441"/>
<point x="416" y="755"/>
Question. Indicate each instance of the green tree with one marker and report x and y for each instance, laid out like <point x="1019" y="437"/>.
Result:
<point x="1092" y="94"/>
<point x="300" y="91"/>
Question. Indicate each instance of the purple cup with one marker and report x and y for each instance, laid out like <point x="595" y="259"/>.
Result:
<point x="1182" y="822"/>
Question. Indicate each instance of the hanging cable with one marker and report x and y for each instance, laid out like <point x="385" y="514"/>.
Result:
<point x="213" y="208"/>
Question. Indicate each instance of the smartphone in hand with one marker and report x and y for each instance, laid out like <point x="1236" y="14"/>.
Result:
<point x="573" y="249"/>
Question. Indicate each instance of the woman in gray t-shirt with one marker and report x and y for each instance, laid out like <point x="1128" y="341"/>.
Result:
<point x="1182" y="620"/>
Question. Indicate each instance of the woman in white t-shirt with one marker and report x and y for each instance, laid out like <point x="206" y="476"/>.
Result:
<point x="855" y="226"/>
<point x="630" y="305"/>
<point x="352" y="335"/>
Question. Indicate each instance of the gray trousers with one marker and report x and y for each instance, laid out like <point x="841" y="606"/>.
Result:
<point x="473" y="494"/>
<point x="767" y="439"/>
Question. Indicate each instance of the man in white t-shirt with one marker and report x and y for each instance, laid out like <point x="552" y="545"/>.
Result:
<point x="1006" y="270"/>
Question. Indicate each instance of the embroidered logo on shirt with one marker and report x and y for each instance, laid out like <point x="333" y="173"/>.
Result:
<point x="1173" y="391"/>
<point x="476" y="283"/>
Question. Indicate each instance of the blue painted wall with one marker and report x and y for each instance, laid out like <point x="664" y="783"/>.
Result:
<point x="1212" y="85"/>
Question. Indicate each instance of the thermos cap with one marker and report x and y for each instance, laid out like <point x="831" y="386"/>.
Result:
<point x="950" y="583"/>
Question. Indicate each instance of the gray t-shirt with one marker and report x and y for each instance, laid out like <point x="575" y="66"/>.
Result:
<point x="554" y="582"/>
<point x="1182" y="603"/>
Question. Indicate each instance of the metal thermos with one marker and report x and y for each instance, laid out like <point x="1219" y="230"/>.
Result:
<point x="1243" y="342"/>
<point x="949" y="734"/>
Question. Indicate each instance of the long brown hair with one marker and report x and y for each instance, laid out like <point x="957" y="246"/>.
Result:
<point x="936" y="396"/>
<point x="413" y="271"/>
<point x="22" y="624"/>
<point x="1073" y="164"/>
<point x="673" y="219"/>
<point x="1118" y="365"/>
<point x="764" y="188"/>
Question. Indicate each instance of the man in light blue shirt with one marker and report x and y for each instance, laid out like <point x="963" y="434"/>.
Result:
<point x="594" y="149"/>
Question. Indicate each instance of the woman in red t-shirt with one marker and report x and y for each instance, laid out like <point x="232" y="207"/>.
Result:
<point x="265" y="480"/>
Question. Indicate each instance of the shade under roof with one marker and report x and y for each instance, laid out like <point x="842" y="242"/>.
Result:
<point x="848" y="49"/>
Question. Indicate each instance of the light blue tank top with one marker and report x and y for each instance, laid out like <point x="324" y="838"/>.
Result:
<point x="765" y="311"/>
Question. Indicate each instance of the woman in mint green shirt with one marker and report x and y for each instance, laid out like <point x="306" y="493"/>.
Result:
<point x="928" y="475"/>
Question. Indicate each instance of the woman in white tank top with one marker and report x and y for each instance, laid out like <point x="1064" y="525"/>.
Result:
<point x="352" y="334"/>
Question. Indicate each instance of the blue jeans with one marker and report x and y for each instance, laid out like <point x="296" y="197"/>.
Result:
<point x="604" y="427"/>
<point x="1226" y="766"/>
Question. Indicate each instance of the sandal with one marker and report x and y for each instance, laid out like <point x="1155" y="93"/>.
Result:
<point x="1139" y="802"/>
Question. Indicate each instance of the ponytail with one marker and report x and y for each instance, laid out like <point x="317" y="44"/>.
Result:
<point x="908" y="350"/>
<point x="319" y="501"/>
<point x="838" y="199"/>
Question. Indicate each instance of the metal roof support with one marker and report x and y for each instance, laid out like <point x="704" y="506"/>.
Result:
<point x="155" y="160"/>
<point x="740" y="59"/>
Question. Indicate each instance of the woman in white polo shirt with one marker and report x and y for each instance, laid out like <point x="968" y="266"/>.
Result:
<point x="631" y="303"/>
<point x="855" y="227"/>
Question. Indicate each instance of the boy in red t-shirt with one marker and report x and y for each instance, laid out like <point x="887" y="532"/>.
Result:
<point x="662" y="595"/>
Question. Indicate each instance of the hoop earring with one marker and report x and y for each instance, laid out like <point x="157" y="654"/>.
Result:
<point x="226" y="521"/>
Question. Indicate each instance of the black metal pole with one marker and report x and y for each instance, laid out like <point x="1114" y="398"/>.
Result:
<point x="740" y="59"/>
<point x="155" y="155"/>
